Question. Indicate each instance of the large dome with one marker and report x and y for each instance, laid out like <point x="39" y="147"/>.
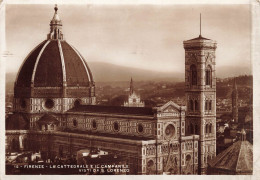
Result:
<point x="54" y="68"/>
<point x="54" y="63"/>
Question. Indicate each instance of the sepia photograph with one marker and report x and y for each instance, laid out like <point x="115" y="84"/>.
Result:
<point x="128" y="89"/>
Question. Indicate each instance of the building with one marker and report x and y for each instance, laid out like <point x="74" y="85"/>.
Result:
<point x="53" y="78"/>
<point x="134" y="99"/>
<point x="55" y="105"/>
<point x="235" y="160"/>
<point x="200" y="85"/>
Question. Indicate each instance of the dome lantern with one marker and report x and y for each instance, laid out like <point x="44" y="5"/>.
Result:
<point x="55" y="26"/>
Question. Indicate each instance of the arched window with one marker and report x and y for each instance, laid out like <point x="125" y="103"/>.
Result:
<point x="207" y="128"/>
<point x="208" y="75"/>
<point x="206" y="105"/>
<point x="196" y="105"/>
<point x="193" y="75"/>
<point x="210" y="128"/>
<point x="210" y="105"/>
<point x="191" y="105"/>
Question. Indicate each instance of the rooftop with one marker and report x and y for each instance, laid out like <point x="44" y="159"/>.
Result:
<point x="199" y="38"/>
<point x="118" y="110"/>
<point x="237" y="159"/>
<point x="100" y="134"/>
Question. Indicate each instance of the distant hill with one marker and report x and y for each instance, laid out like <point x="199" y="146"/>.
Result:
<point x="106" y="72"/>
<point x="232" y="71"/>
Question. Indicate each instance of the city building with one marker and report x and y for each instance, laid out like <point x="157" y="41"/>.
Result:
<point x="134" y="99"/>
<point x="200" y="85"/>
<point x="55" y="112"/>
<point x="237" y="159"/>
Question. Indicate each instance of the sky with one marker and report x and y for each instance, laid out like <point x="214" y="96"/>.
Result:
<point x="141" y="36"/>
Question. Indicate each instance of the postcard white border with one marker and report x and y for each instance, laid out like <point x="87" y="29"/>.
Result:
<point x="255" y="54"/>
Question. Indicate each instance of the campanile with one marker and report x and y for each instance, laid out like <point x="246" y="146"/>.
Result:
<point x="200" y="90"/>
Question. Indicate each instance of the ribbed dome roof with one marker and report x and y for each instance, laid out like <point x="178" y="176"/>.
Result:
<point x="54" y="63"/>
<point x="54" y="69"/>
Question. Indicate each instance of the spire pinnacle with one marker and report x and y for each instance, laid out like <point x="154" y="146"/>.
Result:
<point x="234" y="84"/>
<point x="200" y="25"/>
<point x="131" y="86"/>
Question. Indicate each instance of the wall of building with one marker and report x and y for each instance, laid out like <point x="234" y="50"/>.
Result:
<point x="143" y="157"/>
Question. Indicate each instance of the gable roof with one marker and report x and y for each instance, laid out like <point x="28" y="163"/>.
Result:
<point x="171" y="103"/>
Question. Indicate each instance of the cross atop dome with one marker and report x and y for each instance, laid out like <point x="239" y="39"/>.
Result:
<point x="56" y="8"/>
<point x="55" y="26"/>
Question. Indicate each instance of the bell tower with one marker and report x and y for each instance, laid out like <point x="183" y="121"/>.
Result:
<point x="235" y="102"/>
<point x="200" y="90"/>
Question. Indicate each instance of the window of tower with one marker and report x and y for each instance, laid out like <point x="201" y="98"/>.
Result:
<point x="196" y="105"/>
<point x="210" y="128"/>
<point x="193" y="75"/>
<point x="206" y="128"/>
<point x="206" y="105"/>
<point x="191" y="105"/>
<point x="210" y="104"/>
<point x="208" y="75"/>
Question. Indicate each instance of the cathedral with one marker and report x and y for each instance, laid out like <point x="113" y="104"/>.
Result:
<point x="134" y="99"/>
<point x="55" y="112"/>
